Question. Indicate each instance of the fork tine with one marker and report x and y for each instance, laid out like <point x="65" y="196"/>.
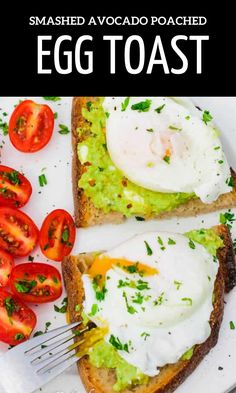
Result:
<point x="55" y="345"/>
<point x="45" y="338"/>
<point x="51" y="362"/>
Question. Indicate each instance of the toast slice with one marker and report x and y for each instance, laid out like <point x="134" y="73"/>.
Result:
<point x="101" y="380"/>
<point x="86" y="214"/>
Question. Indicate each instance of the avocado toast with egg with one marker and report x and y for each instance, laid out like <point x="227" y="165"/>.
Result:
<point x="175" y="348"/>
<point x="106" y="188"/>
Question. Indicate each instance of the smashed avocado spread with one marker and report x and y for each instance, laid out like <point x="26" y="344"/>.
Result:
<point x="105" y="184"/>
<point x="207" y="238"/>
<point x="104" y="355"/>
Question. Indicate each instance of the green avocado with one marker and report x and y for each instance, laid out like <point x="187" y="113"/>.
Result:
<point x="105" y="355"/>
<point x="105" y="184"/>
<point x="207" y="238"/>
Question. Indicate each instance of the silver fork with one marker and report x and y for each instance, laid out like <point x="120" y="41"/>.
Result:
<point x="30" y="365"/>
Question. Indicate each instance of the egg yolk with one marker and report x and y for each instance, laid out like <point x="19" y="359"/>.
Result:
<point x="88" y="340"/>
<point x="101" y="265"/>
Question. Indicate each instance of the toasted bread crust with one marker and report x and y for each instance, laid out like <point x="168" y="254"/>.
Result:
<point x="86" y="214"/>
<point x="171" y="376"/>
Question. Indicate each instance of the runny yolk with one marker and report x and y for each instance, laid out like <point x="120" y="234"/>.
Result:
<point x="88" y="340"/>
<point x="101" y="265"/>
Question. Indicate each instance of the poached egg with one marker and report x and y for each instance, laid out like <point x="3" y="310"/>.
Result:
<point x="153" y="295"/>
<point x="166" y="144"/>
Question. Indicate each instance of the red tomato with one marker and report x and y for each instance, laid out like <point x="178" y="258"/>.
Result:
<point x="57" y="235"/>
<point x="16" y="320"/>
<point x="31" y="126"/>
<point x="18" y="233"/>
<point x="36" y="282"/>
<point x="6" y="266"/>
<point x="15" y="189"/>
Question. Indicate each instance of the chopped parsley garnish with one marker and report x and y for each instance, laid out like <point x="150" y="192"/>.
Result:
<point x="171" y="127"/>
<point x="130" y="309"/>
<point x="171" y="242"/>
<point x="19" y="336"/>
<point x="187" y="117"/>
<point x="232" y="325"/>
<point x="191" y="244"/>
<point x="77" y="307"/>
<point x="100" y="292"/>
<point x="63" y="129"/>
<point x="159" y="109"/>
<point x="138" y="298"/>
<point x="216" y="147"/>
<point x="4" y="127"/>
<point x="166" y="159"/>
<point x="206" y="117"/>
<point x="215" y="259"/>
<point x="149" y="129"/>
<point x="145" y="335"/>
<point x="116" y="343"/>
<point x="63" y="308"/>
<point x="13" y="177"/>
<point x="88" y="105"/>
<point x="221" y="162"/>
<point x="142" y="285"/>
<point x="9" y="305"/>
<point x="138" y="218"/>
<point x="160" y="241"/>
<point x="107" y="114"/>
<point x="40" y="332"/>
<point x="100" y="295"/>
<point x="94" y="310"/>
<point x="159" y="300"/>
<point x="227" y="218"/>
<point x="187" y="300"/>
<point x="55" y="115"/>
<point x="41" y="278"/>
<point x="142" y="106"/>
<point x="30" y="258"/>
<point x="25" y="286"/>
<point x="148" y="248"/>
<point x="125" y="104"/>
<point x="230" y="182"/>
<point x="43" y="180"/>
<point x="132" y="268"/>
<point x="52" y="98"/>
<point x="177" y="284"/>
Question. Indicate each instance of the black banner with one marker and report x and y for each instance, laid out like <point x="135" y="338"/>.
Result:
<point x="96" y="51"/>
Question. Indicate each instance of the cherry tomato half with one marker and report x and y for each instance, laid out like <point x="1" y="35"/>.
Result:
<point x="6" y="266"/>
<point x="18" y="233"/>
<point x="31" y="126"/>
<point x="57" y="235"/>
<point x="16" y="320"/>
<point x="15" y="189"/>
<point x="36" y="282"/>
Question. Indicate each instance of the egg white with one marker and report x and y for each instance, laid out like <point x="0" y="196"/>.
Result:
<point x="175" y="311"/>
<point x="137" y="142"/>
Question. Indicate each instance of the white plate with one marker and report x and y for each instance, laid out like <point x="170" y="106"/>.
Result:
<point x="56" y="159"/>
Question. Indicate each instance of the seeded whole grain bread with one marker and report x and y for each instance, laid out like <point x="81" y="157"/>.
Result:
<point x="86" y="214"/>
<point x="101" y="380"/>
